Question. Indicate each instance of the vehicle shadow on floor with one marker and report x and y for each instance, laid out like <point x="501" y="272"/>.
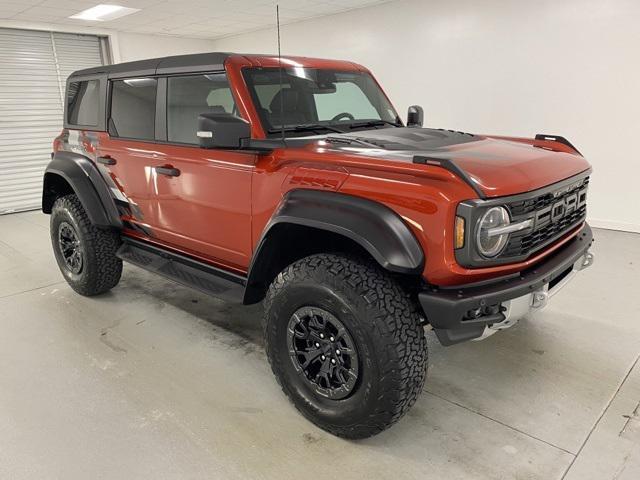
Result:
<point x="243" y="321"/>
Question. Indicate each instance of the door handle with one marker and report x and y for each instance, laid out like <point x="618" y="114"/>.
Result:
<point x="107" y="160"/>
<point x="168" y="171"/>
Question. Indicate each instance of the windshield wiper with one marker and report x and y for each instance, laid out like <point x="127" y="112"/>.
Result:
<point x="307" y="127"/>
<point x="372" y="123"/>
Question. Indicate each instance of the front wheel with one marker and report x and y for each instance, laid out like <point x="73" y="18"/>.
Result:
<point x="346" y="344"/>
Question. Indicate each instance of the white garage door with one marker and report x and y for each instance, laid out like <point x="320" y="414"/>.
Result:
<point x="34" y="69"/>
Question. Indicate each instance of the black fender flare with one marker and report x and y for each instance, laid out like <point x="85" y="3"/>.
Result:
<point x="370" y="224"/>
<point x="87" y="183"/>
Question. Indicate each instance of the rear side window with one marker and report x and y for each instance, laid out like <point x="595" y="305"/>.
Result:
<point x="133" y="108"/>
<point x="188" y="97"/>
<point x="83" y="103"/>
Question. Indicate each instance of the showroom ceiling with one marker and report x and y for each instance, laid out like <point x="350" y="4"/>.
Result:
<point x="185" y="18"/>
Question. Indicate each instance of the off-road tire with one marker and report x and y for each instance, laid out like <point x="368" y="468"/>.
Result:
<point x="101" y="268"/>
<point x="385" y="325"/>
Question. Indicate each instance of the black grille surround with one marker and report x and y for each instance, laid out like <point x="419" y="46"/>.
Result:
<point x="555" y="211"/>
<point x="524" y="207"/>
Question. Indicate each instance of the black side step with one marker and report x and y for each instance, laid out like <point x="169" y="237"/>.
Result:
<point x="184" y="270"/>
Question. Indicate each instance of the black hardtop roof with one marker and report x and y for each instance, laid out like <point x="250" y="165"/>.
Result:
<point x="197" y="62"/>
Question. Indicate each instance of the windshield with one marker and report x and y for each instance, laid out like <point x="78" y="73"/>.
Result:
<point x="318" y="100"/>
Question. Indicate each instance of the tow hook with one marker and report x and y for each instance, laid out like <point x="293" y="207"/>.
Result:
<point x="587" y="261"/>
<point x="540" y="298"/>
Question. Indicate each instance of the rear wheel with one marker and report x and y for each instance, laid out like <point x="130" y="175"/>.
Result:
<point x="346" y="344"/>
<point x="86" y="254"/>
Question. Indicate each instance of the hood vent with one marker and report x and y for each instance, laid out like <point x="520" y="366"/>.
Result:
<point x="405" y="138"/>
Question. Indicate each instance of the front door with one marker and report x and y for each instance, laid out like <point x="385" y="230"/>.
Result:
<point x="202" y="197"/>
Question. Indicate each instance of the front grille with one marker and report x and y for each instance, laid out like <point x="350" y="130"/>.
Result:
<point x="549" y="223"/>
<point x="525" y="207"/>
<point x="526" y="244"/>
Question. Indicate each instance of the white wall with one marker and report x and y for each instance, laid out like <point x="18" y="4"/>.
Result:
<point x="569" y="67"/>
<point x="133" y="46"/>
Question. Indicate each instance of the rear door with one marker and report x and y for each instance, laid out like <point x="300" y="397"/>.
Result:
<point x="127" y="154"/>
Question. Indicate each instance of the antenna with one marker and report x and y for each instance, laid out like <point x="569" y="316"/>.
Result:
<point x="280" y="73"/>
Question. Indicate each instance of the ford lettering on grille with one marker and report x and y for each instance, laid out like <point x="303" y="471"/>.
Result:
<point x="554" y="215"/>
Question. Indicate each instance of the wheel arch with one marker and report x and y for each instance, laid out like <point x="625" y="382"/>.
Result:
<point x="312" y="221"/>
<point x="70" y="172"/>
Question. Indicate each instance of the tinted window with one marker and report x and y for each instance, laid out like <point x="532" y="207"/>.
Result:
<point x="133" y="108"/>
<point x="188" y="97"/>
<point x="301" y="96"/>
<point x="82" y="103"/>
<point x="348" y="97"/>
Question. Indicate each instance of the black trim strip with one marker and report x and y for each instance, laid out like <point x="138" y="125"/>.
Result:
<point x="452" y="167"/>
<point x="557" y="138"/>
<point x="191" y="63"/>
<point x="160" y="133"/>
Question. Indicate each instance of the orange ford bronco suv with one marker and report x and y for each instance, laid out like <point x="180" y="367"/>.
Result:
<point x="294" y="182"/>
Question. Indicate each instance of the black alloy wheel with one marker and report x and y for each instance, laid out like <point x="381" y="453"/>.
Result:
<point x="85" y="253"/>
<point x="70" y="249"/>
<point x="323" y="352"/>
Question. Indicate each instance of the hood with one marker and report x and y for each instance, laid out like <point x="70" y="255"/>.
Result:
<point x="495" y="167"/>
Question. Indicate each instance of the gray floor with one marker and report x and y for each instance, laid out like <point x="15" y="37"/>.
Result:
<point x="155" y="381"/>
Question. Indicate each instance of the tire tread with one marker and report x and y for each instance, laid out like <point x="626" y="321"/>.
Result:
<point x="103" y="267"/>
<point x="395" y="321"/>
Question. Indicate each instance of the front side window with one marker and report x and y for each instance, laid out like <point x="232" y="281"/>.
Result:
<point x="133" y="108"/>
<point x="297" y="97"/>
<point x="83" y="103"/>
<point x="192" y="95"/>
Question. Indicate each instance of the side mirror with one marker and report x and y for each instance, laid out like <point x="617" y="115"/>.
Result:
<point x="222" y="130"/>
<point x="415" y="116"/>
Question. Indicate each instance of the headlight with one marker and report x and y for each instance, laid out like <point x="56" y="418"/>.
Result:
<point x="489" y="238"/>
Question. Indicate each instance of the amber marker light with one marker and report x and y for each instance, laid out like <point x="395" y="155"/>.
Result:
<point x="459" y="239"/>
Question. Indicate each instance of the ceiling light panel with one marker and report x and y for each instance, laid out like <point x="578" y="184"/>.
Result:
<point x="104" y="13"/>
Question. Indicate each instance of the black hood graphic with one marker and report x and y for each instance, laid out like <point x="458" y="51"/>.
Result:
<point x="491" y="166"/>
<point x="406" y="138"/>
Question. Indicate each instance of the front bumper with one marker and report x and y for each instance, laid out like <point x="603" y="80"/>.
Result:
<point x="466" y="313"/>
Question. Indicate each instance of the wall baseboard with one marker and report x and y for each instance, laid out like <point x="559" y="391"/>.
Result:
<point x="610" y="225"/>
